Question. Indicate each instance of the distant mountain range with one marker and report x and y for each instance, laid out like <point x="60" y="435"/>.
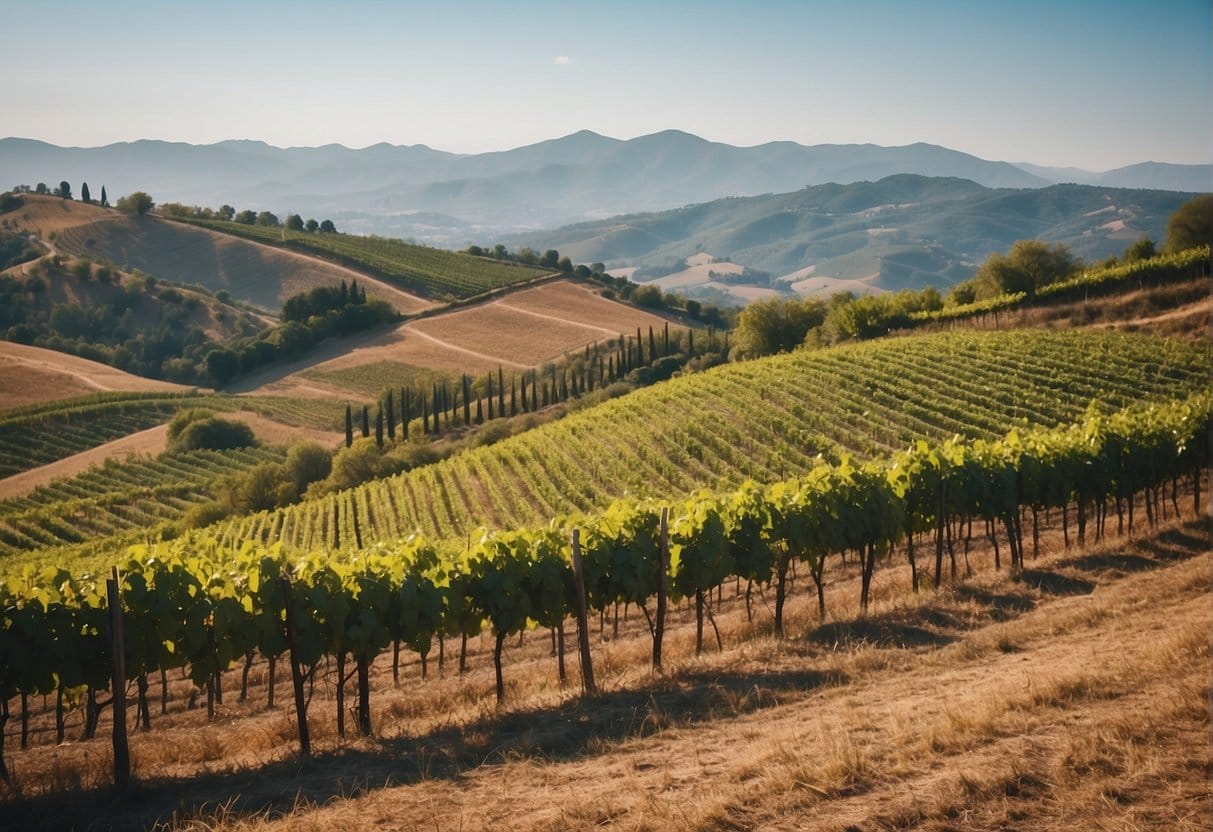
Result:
<point x="453" y="199"/>
<point x="901" y="231"/>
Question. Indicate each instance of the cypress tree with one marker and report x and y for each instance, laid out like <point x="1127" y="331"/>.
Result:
<point x="467" y="400"/>
<point x="345" y="295"/>
<point x="534" y="395"/>
<point x="513" y="398"/>
<point x="480" y="410"/>
<point x="611" y="367"/>
<point x="666" y="339"/>
<point x="366" y="422"/>
<point x="436" y="408"/>
<point x="105" y="203"/>
<point x="500" y="391"/>
<point x="691" y="342"/>
<point x="652" y="346"/>
<point x="639" y="348"/>
<point x="490" y="396"/>
<point x="524" y="399"/>
<point x="391" y="415"/>
<point x="84" y="194"/>
<point x="546" y="400"/>
<point x="589" y="375"/>
<point x="425" y="416"/>
<point x="349" y="426"/>
<point x="379" y="427"/>
<point x="406" y="411"/>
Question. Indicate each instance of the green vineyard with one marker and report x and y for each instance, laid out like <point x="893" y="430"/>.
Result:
<point x="42" y="434"/>
<point x="198" y="607"/>
<point x="119" y="497"/>
<point x="429" y="272"/>
<point x="763" y="420"/>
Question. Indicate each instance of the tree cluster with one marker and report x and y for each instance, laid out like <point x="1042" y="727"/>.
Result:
<point x="297" y="334"/>
<point x="265" y="219"/>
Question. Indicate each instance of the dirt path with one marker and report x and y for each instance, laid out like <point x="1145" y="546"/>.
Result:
<point x="151" y="441"/>
<point x="1203" y="307"/>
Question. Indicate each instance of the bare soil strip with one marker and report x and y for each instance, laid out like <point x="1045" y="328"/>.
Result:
<point x="150" y="442"/>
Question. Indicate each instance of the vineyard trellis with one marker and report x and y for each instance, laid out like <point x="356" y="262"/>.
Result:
<point x="197" y="606"/>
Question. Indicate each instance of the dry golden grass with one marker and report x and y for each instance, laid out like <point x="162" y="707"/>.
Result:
<point x="31" y="375"/>
<point x="188" y="254"/>
<point x="517" y="331"/>
<point x="1074" y="696"/>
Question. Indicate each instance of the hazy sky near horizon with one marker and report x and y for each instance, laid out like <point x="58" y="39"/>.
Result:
<point x="1096" y="85"/>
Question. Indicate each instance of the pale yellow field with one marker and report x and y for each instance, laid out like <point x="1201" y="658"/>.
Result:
<point x="518" y="331"/>
<point x="31" y="375"/>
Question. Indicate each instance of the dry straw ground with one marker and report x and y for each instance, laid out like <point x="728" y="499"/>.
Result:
<point x="32" y="375"/>
<point x="1071" y="696"/>
<point x="516" y="331"/>
<point x="188" y="254"/>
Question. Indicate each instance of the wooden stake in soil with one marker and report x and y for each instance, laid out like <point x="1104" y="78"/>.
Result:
<point x="663" y="560"/>
<point x="305" y="745"/>
<point x="122" y="755"/>
<point x="583" y="630"/>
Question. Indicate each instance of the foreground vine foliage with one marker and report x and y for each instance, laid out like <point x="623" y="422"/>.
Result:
<point x="196" y="605"/>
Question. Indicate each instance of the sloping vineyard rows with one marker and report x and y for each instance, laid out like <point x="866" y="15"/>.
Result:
<point x="35" y="436"/>
<point x="119" y="496"/>
<point x="1166" y="268"/>
<point x="29" y="441"/>
<point x="761" y="420"/>
<point x="197" y="606"/>
<point x="430" y="272"/>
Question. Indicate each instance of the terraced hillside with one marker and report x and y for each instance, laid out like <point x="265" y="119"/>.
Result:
<point x="765" y="420"/>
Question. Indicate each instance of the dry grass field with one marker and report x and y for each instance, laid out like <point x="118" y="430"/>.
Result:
<point x="187" y="254"/>
<point x="1073" y="695"/>
<point x="516" y="331"/>
<point x="32" y="375"/>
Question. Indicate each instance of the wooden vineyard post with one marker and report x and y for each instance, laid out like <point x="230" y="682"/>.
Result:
<point x="122" y="755"/>
<point x="663" y="561"/>
<point x="583" y="630"/>
<point x="305" y="745"/>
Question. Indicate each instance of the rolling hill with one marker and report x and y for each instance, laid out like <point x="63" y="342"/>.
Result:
<point x="453" y="199"/>
<point x="765" y="419"/>
<point x="257" y="274"/>
<point x="901" y="231"/>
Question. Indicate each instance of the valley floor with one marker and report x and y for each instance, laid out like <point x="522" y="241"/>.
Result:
<point x="1074" y="695"/>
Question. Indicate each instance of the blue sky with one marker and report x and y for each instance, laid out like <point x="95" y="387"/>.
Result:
<point x="1090" y="84"/>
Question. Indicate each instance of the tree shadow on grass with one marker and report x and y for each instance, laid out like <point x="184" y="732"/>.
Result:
<point x="880" y="631"/>
<point x="1112" y="562"/>
<point x="1002" y="606"/>
<point x="1055" y="583"/>
<point x="576" y="728"/>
